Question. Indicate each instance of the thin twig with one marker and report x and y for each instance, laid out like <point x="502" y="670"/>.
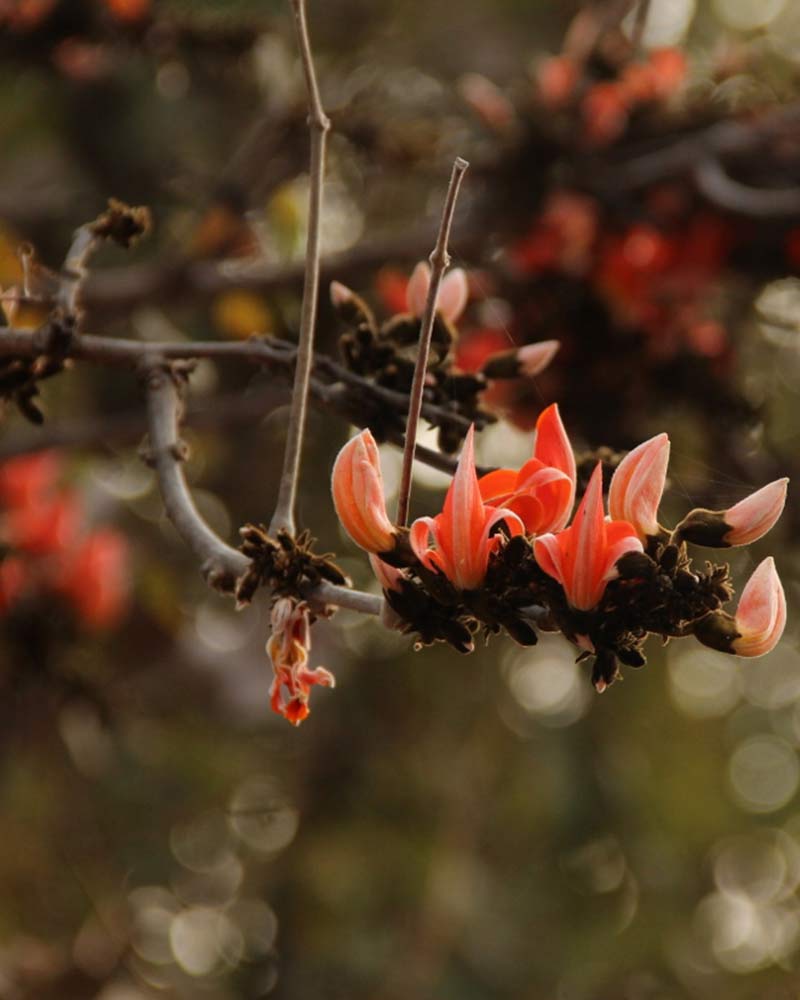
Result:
<point x="75" y="270"/>
<point x="221" y="564"/>
<point x="319" y="125"/>
<point x="439" y="259"/>
<point x="277" y="355"/>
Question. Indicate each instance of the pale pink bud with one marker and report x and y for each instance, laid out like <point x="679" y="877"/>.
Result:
<point x="638" y="484"/>
<point x="453" y="292"/>
<point x="761" y="615"/>
<point x="755" y="515"/>
<point x="340" y="294"/>
<point x="358" y="494"/>
<point x="534" y="358"/>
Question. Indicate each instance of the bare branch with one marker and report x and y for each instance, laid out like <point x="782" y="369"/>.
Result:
<point x="720" y="188"/>
<point x="221" y="564"/>
<point x="318" y="126"/>
<point x="439" y="259"/>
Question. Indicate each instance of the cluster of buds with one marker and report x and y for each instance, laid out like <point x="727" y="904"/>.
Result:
<point x="48" y="553"/>
<point x="387" y="354"/>
<point x="505" y="555"/>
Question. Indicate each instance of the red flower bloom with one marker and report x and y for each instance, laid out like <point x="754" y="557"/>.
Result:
<point x="542" y="492"/>
<point x="583" y="558"/>
<point x="461" y="534"/>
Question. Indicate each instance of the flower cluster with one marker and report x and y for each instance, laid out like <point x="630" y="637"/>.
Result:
<point x="49" y="554"/>
<point x="386" y="353"/>
<point x="605" y="106"/>
<point x="504" y="554"/>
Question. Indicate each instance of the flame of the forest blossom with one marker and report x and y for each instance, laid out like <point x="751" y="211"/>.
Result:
<point x="288" y="648"/>
<point x="638" y="484"/>
<point x="583" y="558"/>
<point x="461" y="534"/>
<point x="357" y="486"/>
<point x="761" y="614"/>
<point x="94" y="578"/>
<point x="542" y="492"/>
<point x="755" y="515"/>
<point x="453" y="292"/>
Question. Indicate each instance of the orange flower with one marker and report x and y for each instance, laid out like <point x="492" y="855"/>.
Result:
<point x="542" y="492"/>
<point x="288" y="648"/>
<point x="357" y="486"/>
<point x="583" y="558"/>
<point x="462" y="535"/>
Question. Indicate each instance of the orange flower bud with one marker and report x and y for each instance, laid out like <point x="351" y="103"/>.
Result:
<point x="358" y="495"/>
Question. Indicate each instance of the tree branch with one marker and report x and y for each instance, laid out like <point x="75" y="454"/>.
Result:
<point x="319" y="125"/>
<point x="440" y="260"/>
<point x="221" y="564"/>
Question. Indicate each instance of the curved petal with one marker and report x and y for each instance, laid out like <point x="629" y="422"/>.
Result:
<point x="761" y="614"/>
<point x="534" y="358"/>
<point x="549" y="556"/>
<point x="419" y="537"/>
<point x="755" y="515"/>
<point x="638" y="484"/>
<point x="585" y="568"/>
<point x="495" y="487"/>
<point x="453" y="294"/>
<point x="552" y="446"/>
<point x="417" y="290"/>
<point x="621" y="538"/>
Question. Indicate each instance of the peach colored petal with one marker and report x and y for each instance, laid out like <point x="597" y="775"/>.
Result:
<point x="755" y="515"/>
<point x="638" y="484"/>
<point x="417" y="291"/>
<point x="761" y="614"/>
<point x="453" y="294"/>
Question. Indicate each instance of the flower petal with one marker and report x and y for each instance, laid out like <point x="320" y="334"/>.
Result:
<point x="761" y="614"/>
<point x="638" y="484"/>
<point x="755" y="515"/>
<point x="417" y="290"/>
